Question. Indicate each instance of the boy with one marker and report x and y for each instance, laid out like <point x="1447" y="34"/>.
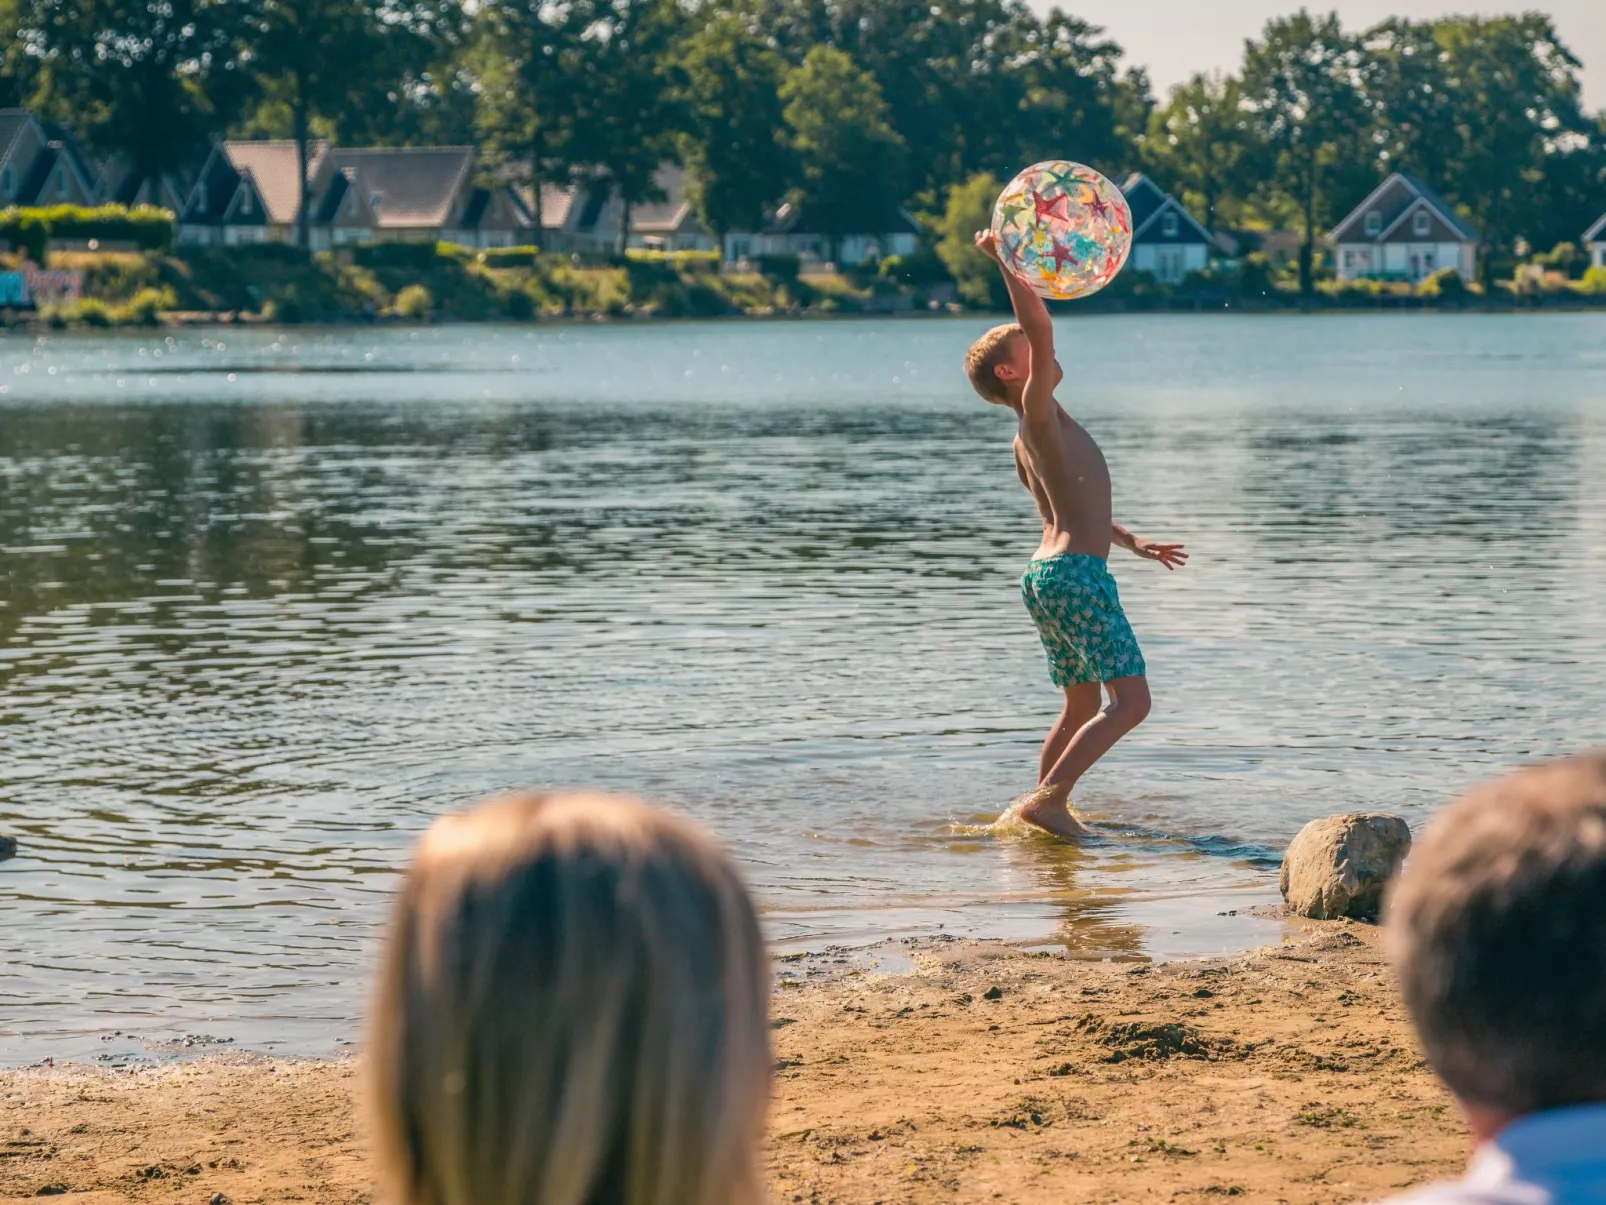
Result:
<point x="1068" y="587"/>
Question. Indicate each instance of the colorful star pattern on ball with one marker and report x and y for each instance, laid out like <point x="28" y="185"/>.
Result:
<point x="1063" y="228"/>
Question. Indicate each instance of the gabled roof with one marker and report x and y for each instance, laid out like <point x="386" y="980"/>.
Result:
<point x="1415" y="190"/>
<point x="413" y="186"/>
<point x="12" y="123"/>
<point x="1442" y="207"/>
<point x="34" y="182"/>
<point x="273" y="164"/>
<point x="1148" y="201"/>
<point x="1143" y="197"/>
<point x="555" y="202"/>
<point x="1597" y="232"/>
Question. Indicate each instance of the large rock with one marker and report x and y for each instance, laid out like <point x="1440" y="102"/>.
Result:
<point x="1339" y="866"/>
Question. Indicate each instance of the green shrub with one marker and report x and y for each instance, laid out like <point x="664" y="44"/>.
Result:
<point x="1445" y="285"/>
<point x="416" y="256"/>
<point x="781" y="267"/>
<point x="25" y="231"/>
<point x="91" y="312"/>
<point x="1567" y="258"/>
<point x="510" y="257"/>
<point x="414" y="302"/>
<point x="285" y="307"/>
<point x="145" y="226"/>
<point x="146" y="306"/>
<point x="1595" y="281"/>
<point x="921" y="270"/>
<point x="681" y="261"/>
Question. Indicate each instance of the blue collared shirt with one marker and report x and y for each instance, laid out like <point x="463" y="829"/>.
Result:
<point x="1553" y="1158"/>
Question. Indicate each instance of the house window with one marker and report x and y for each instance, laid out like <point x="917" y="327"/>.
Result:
<point x="6" y="180"/>
<point x="1419" y="223"/>
<point x="1374" y="223"/>
<point x="351" y="204"/>
<point x="203" y="201"/>
<point x="1168" y="223"/>
<point x="61" y="182"/>
<point x="245" y="202"/>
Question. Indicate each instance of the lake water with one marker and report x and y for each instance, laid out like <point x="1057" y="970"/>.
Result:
<point x="271" y="600"/>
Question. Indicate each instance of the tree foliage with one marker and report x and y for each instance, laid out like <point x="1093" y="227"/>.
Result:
<point x="850" y="158"/>
<point x="850" y="108"/>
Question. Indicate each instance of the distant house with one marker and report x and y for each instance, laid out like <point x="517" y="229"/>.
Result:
<point x="1595" y="240"/>
<point x="1403" y="231"/>
<point x="790" y="232"/>
<point x="39" y="166"/>
<point x="247" y="192"/>
<point x="116" y="183"/>
<point x="586" y="217"/>
<point x="1167" y="241"/>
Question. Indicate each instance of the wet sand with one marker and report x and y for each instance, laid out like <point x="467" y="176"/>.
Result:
<point x="1285" y="1075"/>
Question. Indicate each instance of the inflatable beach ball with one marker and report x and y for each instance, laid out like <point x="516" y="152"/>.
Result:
<point x="1063" y="228"/>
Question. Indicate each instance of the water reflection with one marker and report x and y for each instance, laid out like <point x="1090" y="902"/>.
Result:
<point x="257" y="632"/>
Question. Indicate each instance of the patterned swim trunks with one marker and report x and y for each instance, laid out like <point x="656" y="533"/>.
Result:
<point x="1078" y="614"/>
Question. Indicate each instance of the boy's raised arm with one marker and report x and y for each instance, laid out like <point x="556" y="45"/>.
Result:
<point x="1038" y="398"/>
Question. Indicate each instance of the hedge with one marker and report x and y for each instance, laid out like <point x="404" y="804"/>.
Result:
<point x="418" y="256"/>
<point x="145" y="226"/>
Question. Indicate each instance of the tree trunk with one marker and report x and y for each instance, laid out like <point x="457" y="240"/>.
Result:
<point x="624" y="225"/>
<point x="301" y="122"/>
<point x="1307" y="249"/>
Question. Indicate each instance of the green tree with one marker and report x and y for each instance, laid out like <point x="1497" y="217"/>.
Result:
<point x="736" y="159"/>
<point x="1515" y="92"/>
<point x="304" y="55"/>
<point x="527" y="67"/>
<point x="1302" y="86"/>
<point x="969" y="208"/>
<point x="850" y="159"/>
<point x="629" y="105"/>
<point x="141" y="77"/>
<point x="1202" y="146"/>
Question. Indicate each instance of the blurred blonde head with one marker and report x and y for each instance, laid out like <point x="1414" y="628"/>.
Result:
<point x="571" y="1010"/>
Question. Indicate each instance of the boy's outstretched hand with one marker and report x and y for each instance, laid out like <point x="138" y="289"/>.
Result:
<point x="1172" y="556"/>
<point x="987" y="244"/>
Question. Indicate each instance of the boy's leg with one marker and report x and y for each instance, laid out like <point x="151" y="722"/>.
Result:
<point x="1048" y="806"/>
<point x="1081" y="705"/>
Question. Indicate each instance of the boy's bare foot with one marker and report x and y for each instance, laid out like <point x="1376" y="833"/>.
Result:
<point x="1048" y="808"/>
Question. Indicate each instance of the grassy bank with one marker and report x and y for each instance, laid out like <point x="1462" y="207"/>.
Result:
<point x="445" y="283"/>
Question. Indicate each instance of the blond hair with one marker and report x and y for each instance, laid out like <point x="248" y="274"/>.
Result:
<point x="570" y="1010"/>
<point x="984" y="357"/>
<point x="1497" y="931"/>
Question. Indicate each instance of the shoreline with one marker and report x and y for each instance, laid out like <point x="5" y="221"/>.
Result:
<point x="223" y="319"/>
<point x="1286" y="1074"/>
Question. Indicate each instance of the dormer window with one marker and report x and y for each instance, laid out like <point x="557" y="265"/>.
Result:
<point x="203" y="199"/>
<point x="373" y="201"/>
<point x="61" y="182"/>
<point x="1419" y="223"/>
<point x="1168" y="223"/>
<point x="351" y="204"/>
<point x="245" y="202"/>
<point x="7" y="180"/>
<point x="1374" y="223"/>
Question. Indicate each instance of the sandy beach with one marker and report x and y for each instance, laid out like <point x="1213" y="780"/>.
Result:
<point x="1283" y="1075"/>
